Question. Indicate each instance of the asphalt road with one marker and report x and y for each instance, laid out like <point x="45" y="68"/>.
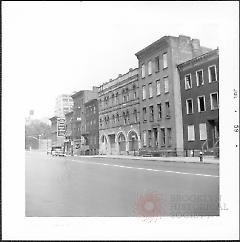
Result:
<point x="73" y="186"/>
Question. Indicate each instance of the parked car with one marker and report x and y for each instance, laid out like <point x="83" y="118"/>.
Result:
<point x="58" y="152"/>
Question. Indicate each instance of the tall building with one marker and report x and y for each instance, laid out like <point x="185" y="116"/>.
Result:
<point x="64" y="104"/>
<point x="199" y="80"/>
<point x="161" y="121"/>
<point x="80" y="145"/>
<point x="119" y="115"/>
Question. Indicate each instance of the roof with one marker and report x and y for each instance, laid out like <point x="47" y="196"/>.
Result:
<point x="198" y="58"/>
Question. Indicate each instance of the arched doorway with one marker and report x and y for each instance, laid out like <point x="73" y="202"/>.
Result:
<point x="133" y="141"/>
<point x="121" y="142"/>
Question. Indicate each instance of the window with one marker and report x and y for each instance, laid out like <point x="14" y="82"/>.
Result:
<point x="214" y="100"/>
<point x="199" y="76"/>
<point x="144" y="92"/>
<point x="144" y="114"/>
<point x="150" y="90"/>
<point x="124" y="118"/>
<point x="143" y="70"/>
<point x="149" y="68"/>
<point x="165" y="64"/>
<point x="167" y="106"/>
<point x="203" y="131"/>
<point x="144" y="138"/>
<point x="158" y="87"/>
<point x="134" y="95"/>
<point x="201" y="104"/>
<point x="169" y="136"/>
<point x="150" y="138"/>
<point x="117" y="117"/>
<point x="112" y="98"/>
<point x="188" y="81"/>
<point x="163" y="138"/>
<point x="166" y="88"/>
<point x="135" y="115"/>
<point x="191" y="133"/>
<point x="127" y="117"/>
<point x="159" y="108"/>
<point x="212" y="73"/>
<point x="113" y="119"/>
<point x="151" y="118"/>
<point x="189" y="106"/>
<point x="157" y="66"/>
<point x="134" y="92"/>
<point x="116" y="97"/>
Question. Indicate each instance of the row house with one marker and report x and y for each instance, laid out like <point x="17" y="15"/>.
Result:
<point x="161" y="123"/>
<point x="119" y="131"/>
<point x="200" y="106"/>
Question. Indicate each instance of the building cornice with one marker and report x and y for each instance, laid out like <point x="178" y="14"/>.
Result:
<point x="213" y="53"/>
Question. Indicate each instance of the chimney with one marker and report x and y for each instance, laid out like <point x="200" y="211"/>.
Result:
<point x="119" y="75"/>
<point x="130" y="69"/>
<point x="196" y="47"/>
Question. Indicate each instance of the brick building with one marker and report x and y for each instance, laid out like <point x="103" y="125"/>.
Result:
<point x="160" y="98"/>
<point x="79" y="119"/>
<point x="199" y="94"/>
<point x="119" y="115"/>
<point x="92" y="126"/>
<point x="57" y="139"/>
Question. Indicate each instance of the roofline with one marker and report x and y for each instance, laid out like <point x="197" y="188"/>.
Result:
<point x="198" y="58"/>
<point x="151" y="45"/>
<point x="79" y="92"/>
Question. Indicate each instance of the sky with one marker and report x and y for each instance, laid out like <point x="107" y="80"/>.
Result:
<point x="54" y="48"/>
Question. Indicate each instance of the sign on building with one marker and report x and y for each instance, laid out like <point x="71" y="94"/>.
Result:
<point x="61" y="127"/>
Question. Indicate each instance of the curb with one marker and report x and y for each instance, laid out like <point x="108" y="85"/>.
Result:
<point x="135" y="158"/>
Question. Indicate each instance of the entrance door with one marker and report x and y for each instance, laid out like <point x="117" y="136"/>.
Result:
<point x="122" y="142"/>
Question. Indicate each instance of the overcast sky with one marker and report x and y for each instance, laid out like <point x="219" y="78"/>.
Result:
<point x="53" y="48"/>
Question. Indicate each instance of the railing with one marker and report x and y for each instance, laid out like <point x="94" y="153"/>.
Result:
<point x="205" y="144"/>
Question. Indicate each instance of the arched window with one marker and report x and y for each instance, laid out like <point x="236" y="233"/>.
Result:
<point x="135" y="115"/>
<point x="113" y="118"/>
<point x="127" y="117"/>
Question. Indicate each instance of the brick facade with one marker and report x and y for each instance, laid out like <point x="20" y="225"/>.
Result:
<point x="207" y="120"/>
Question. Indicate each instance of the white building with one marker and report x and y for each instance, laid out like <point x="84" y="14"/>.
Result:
<point x="64" y="104"/>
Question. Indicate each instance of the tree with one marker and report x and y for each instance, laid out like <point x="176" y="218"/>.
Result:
<point x="34" y="130"/>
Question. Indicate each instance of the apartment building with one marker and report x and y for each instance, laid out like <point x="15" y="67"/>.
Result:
<point x="64" y="104"/>
<point x="161" y="123"/>
<point x="199" y="81"/>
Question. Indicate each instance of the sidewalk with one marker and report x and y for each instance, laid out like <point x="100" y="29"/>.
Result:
<point x="206" y="159"/>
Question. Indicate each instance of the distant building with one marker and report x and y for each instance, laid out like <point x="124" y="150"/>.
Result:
<point x="64" y="104"/>
<point x="92" y="126"/>
<point x="79" y="134"/>
<point x="57" y="139"/>
<point x="119" y="115"/>
<point x="160" y="98"/>
<point x="199" y="81"/>
<point x="68" y="142"/>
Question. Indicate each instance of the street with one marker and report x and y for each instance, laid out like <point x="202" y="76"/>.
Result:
<point x="88" y="186"/>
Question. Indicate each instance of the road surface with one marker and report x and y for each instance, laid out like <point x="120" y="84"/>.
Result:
<point x="74" y="186"/>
